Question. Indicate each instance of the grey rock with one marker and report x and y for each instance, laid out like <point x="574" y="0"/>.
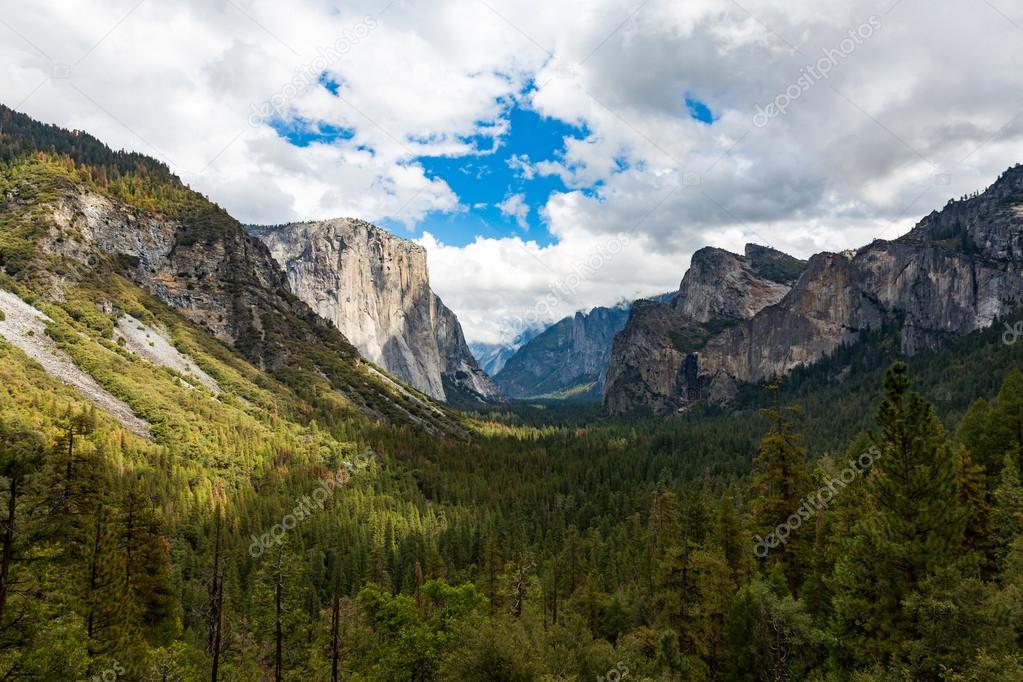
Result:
<point x="375" y="288"/>
<point x="651" y="365"/>
<point x="569" y="359"/>
<point x="957" y="271"/>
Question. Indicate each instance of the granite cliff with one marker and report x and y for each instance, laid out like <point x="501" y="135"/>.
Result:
<point x="742" y="319"/>
<point x="650" y="356"/>
<point x="375" y="288"/>
<point x="115" y="223"/>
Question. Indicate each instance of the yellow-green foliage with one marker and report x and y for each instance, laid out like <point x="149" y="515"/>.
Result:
<point x="230" y="437"/>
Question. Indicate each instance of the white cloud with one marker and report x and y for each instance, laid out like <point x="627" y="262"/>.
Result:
<point x="521" y="165"/>
<point x="927" y="108"/>
<point x="515" y="206"/>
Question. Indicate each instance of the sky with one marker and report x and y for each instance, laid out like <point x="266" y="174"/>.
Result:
<point x="550" y="156"/>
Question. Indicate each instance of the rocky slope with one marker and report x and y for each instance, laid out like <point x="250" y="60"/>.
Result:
<point x="649" y="360"/>
<point x="74" y="214"/>
<point x="568" y="359"/>
<point x="956" y="271"/>
<point x="375" y="288"/>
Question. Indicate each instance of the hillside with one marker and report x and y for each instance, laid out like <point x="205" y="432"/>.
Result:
<point x="201" y="479"/>
<point x="78" y="217"/>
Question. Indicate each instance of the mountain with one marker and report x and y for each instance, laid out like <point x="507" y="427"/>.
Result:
<point x="567" y="360"/>
<point x="492" y="356"/>
<point x="201" y="479"/>
<point x="957" y="271"/>
<point x="375" y="288"/>
<point x="95" y="231"/>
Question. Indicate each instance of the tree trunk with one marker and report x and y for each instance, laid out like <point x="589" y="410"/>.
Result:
<point x="69" y="473"/>
<point x="335" y="628"/>
<point x="554" y="602"/>
<point x="278" y="633"/>
<point x="94" y="576"/>
<point x="8" y="546"/>
<point x="217" y="600"/>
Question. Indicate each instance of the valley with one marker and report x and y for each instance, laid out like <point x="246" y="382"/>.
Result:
<point x="240" y="453"/>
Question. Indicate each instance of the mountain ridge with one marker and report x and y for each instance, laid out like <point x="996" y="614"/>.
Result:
<point x="72" y="211"/>
<point x="956" y="271"/>
<point x="567" y="359"/>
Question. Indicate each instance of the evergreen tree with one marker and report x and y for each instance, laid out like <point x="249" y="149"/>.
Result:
<point x="1006" y="420"/>
<point x="21" y="451"/>
<point x="715" y="589"/>
<point x="977" y="533"/>
<point x="1007" y="511"/>
<point x="281" y="619"/>
<point x="913" y="527"/>
<point x="781" y="483"/>
<point x="728" y="536"/>
<point x="974" y="432"/>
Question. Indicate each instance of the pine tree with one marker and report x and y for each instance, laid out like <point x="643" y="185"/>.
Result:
<point x="335" y="628"/>
<point x="974" y="432"/>
<point x="729" y="538"/>
<point x="715" y="590"/>
<point x="492" y="563"/>
<point x="977" y="534"/>
<point x="781" y="483"/>
<point x="76" y="424"/>
<point x="21" y="451"/>
<point x="280" y="620"/>
<point x="1007" y="510"/>
<point x="215" y="624"/>
<point x="1006" y="422"/>
<point x="915" y="526"/>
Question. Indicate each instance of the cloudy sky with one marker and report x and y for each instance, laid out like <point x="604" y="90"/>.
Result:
<point x="551" y="156"/>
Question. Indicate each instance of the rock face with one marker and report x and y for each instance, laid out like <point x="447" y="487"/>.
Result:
<point x="206" y="266"/>
<point x="375" y="288"/>
<point x="188" y="253"/>
<point x="569" y="359"/>
<point x="956" y="271"/>
<point x="651" y="365"/>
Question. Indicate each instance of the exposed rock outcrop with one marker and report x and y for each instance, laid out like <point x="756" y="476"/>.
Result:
<point x="203" y="264"/>
<point x="569" y="359"/>
<point x="375" y="288"/>
<point x="955" y="272"/>
<point x="651" y="365"/>
<point x="24" y="327"/>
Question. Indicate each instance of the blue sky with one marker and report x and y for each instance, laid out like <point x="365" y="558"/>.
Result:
<point x="484" y="180"/>
<point x="499" y="174"/>
<point x="673" y="88"/>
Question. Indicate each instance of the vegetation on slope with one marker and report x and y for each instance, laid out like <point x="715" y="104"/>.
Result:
<point x="274" y="532"/>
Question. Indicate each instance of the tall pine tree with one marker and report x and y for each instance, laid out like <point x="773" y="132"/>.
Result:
<point x="913" y="526"/>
